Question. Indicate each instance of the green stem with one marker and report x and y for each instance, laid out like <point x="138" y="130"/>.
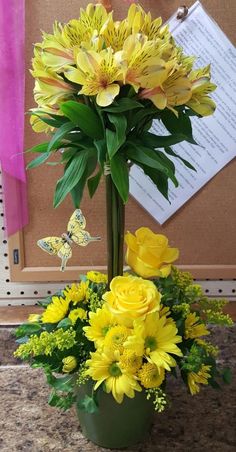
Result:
<point x="115" y="230"/>
<point x="109" y="228"/>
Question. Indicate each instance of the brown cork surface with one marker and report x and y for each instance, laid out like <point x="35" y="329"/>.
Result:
<point x="205" y="422"/>
<point x="201" y="229"/>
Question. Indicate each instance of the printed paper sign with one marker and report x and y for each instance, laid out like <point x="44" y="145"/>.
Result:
<point x="199" y="35"/>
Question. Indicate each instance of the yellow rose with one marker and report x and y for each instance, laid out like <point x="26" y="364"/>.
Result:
<point x="131" y="297"/>
<point x="148" y="253"/>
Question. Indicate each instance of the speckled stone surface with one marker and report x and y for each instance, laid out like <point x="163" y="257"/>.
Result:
<point x="206" y="422"/>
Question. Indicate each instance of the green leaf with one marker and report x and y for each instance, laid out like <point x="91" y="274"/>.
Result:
<point x="38" y="160"/>
<point x="146" y="156"/>
<point x="120" y="175"/>
<point x="39" y="148"/>
<point x="61" y="401"/>
<point x="159" y="179"/>
<point x="83" y="117"/>
<point x="71" y="177"/>
<point x="185" y="162"/>
<point x="27" y="329"/>
<point x="64" y="323"/>
<point x="55" y="123"/>
<point x="116" y="138"/>
<point x="93" y="183"/>
<point x="151" y="140"/>
<point x="122" y="105"/>
<point x="78" y="190"/>
<point x="181" y="124"/>
<point x="59" y="134"/>
<point x="88" y="404"/>
<point x="65" y="384"/>
<point x="101" y="147"/>
<point x="141" y="117"/>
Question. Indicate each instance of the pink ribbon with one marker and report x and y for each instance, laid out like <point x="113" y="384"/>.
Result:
<point x="12" y="85"/>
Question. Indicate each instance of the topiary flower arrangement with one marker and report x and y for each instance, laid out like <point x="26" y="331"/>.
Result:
<point x="109" y="342"/>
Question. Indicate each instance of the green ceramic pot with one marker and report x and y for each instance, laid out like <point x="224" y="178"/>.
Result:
<point x="116" y="426"/>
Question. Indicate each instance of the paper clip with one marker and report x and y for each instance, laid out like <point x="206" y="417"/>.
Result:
<point x="182" y="12"/>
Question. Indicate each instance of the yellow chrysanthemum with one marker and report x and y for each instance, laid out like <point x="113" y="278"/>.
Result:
<point x="194" y="327"/>
<point x="56" y="310"/>
<point x="130" y="361"/>
<point x="151" y="376"/>
<point x="96" y="72"/>
<point x="34" y="318"/>
<point x="97" y="277"/>
<point x="116" y="337"/>
<point x="69" y="364"/>
<point x="100" y="323"/>
<point x="158" y="337"/>
<point x="104" y="367"/>
<point x="76" y="292"/>
<point x="78" y="313"/>
<point x="195" y="379"/>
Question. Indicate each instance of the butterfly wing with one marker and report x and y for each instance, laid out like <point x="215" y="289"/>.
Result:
<point x="83" y="238"/>
<point x="64" y="253"/>
<point x="51" y="245"/>
<point x="76" y="223"/>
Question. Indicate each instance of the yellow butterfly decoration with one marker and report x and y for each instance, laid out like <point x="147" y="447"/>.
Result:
<point x="61" y="246"/>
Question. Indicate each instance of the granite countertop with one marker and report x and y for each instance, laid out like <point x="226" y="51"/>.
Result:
<point x="205" y="422"/>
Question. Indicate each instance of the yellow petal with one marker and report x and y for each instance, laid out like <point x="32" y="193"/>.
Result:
<point x="76" y="76"/>
<point x="131" y="241"/>
<point x="170" y="255"/>
<point x="165" y="271"/>
<point x="106" y="96"/>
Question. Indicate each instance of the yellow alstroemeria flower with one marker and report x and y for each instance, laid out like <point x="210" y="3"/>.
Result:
<point x="104" y="367"/>
<point x="201" y="87"/>
<point x="50" y="88"/>
<point x="115" y="33"/>
<point x="174" y="91"/>
<point x="55" y="51"/>
<point x="149" y="254"/>
<point x="141" y="63"/>
<point x="96" y="72"/>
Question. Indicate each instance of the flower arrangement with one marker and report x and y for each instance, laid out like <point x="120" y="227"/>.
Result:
<point x="127" y="337"/>
<point x="99" y="84"/>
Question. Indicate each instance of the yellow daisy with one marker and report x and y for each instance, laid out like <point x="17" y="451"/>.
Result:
<point x="159" y="339"/>
<point x="195" y="379"/>
<point x="104" y="367"/>
<point x="56" y="310"/>
<point x="100" y="323"/>
<point x="194" y="327"/>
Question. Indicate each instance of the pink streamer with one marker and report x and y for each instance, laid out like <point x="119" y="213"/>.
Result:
<point x="12" y="84"/>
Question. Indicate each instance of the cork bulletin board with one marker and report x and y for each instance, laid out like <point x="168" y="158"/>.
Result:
<point x="203" y="229"/>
